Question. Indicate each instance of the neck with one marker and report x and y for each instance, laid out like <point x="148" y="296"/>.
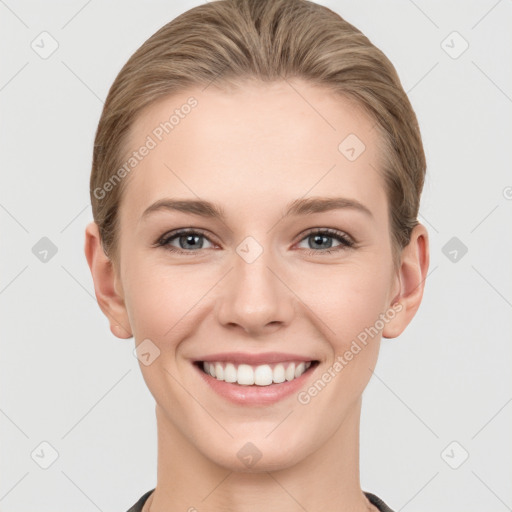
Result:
<point x="327" y="479"/>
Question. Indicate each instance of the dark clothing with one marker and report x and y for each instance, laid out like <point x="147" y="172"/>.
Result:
<point x="374" y="500"/>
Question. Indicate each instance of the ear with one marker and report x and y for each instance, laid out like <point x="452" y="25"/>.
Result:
<point x="107" y="285"/>
<point x="411" y="275"/>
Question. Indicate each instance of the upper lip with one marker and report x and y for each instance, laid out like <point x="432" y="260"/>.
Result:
<point x="254" y="359"/>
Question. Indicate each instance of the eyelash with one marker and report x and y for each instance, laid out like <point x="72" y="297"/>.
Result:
<point x="345" y="241"/>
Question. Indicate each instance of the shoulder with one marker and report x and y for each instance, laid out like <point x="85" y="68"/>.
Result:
<point x="375" y="500"/>
<point x="138" y="506"/>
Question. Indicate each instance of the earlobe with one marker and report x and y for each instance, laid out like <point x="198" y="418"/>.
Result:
<point x="109" y="298"/>
<point x="411" y="275"/>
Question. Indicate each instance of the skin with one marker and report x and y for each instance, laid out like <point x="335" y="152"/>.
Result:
<point x="252" y="152"/>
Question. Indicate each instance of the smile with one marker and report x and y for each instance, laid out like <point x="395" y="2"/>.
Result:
<point x="252" y="375"/>
<point x="255" y="379"/>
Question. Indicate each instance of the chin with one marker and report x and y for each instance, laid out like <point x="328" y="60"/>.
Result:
<point x="246" y="456"/>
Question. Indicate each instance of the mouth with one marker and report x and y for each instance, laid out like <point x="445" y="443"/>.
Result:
<point x="242" y="374"/>
<point x="260" y="380"/>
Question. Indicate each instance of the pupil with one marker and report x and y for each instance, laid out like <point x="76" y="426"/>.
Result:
<point x="190" y="239"/>
<point x="319" y="239"/>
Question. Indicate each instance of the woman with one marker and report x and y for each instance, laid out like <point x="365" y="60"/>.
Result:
<point x="255" y="187"/>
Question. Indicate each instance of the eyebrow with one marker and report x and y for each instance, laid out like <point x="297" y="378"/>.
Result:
<point x="298" y="207"/>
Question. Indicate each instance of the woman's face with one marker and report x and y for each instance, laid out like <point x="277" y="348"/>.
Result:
<point x="262" y="283"/>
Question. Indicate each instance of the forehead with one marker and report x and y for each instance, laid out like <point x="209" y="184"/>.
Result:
<point x="257" y="145"/>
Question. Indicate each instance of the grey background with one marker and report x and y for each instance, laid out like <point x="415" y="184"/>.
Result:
<point x="65" y="380"/>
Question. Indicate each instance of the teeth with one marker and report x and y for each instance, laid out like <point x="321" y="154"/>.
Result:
<point x="245" y="375"/>
<point x="262" y="375"/>
<point x="300" y="369"/>
<point x="230" y="373"/>
<point x="219" y="371"/>
<point x="290" y="372"/>
<point x="278" y="374"/>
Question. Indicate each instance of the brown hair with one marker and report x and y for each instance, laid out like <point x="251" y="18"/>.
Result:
<point x="232" y="40"/>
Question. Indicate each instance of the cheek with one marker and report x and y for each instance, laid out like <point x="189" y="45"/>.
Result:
<point x="349" y="306"/>
<point x="363" y="302"/>
<point x="346" y="299"/>
<point x="162" y="307"/>
<point x="163" y="300"/>
<point x="342" y="300"/>
<point x="348" y="303"/>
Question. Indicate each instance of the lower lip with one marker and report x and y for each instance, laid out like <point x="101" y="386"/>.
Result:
<point x="255" y="395"/>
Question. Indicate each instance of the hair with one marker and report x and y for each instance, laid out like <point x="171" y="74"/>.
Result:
<point x="230" y="41"/>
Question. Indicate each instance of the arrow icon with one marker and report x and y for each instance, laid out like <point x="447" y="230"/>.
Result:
<point x="44" y="455"/>
<point x="249" y="249"/>
<point x="44" y="250"/>
<point x="454" y="249"/>
<point x="146" y="352"/>
<point x="249" y="454"/>
<point x="451" y="45"/>
<point x="351" y="151"/>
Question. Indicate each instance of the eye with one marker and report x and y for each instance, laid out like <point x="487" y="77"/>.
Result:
<point x="321" y="241"/>
<point x="187" y="241"/>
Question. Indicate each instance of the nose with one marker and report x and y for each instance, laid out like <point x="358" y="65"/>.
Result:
<point x="254" y="297"/>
